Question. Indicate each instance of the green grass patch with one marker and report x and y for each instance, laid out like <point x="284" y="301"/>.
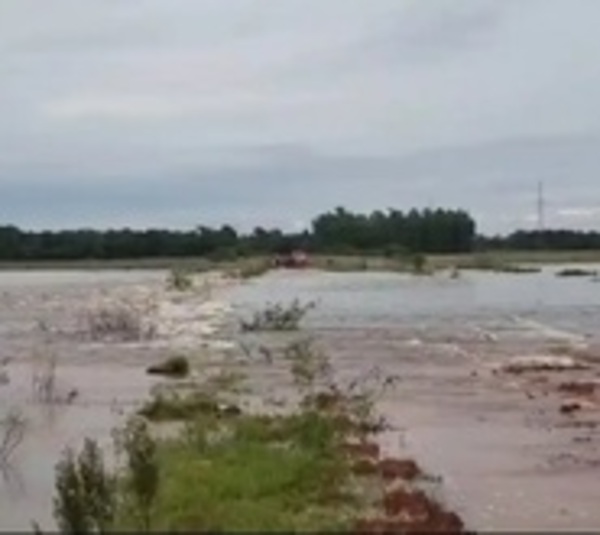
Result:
<point x="253" y="473"/>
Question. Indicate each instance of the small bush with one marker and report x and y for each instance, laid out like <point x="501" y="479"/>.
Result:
<point x="119" y="320"/>
<point x="85" y="499"/>
<point x="419" y="264"/>
<point x="142" y="476"/>
<point x="172" y="367"/>
<point x="179" y="280"/>
<point x="278" y="317"/>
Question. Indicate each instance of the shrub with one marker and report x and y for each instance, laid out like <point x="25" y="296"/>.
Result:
<point x="278" y="317"/>
<point x="142" y="474"/>
<point x="179" y="280"/>
<point x="119" y="320"/>
<point x="85" y="499"/>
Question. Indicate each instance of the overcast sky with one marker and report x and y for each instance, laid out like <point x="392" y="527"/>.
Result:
<point x="180" y="112"/>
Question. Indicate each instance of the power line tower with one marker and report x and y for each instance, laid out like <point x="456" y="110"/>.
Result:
<point x="541" y="223"/>
<point x="541" y="207"/>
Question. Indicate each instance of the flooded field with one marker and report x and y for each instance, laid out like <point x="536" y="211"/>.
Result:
<point x="46" y="324"/>
<point x="511" y="452"/>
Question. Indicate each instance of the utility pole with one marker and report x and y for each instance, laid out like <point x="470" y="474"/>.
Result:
<point x="541" y="207"/>
<point x="541" y="223"/>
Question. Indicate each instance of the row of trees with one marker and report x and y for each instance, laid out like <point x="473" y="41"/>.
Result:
<point x="543" y="240"/>
<point x="339" y="231"/>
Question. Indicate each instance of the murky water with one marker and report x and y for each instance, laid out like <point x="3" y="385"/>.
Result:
<point x="41" y="318"/>
<point x="507" y="462"/>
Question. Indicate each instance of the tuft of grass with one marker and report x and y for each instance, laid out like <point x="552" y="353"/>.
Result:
<point x="178" y="367"/>
<point x="254" y="473"/>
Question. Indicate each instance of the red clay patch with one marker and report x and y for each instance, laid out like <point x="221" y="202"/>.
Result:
<point x="405" y="469"/>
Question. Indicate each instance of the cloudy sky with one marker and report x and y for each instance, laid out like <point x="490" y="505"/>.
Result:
<point x="179" y="112"/>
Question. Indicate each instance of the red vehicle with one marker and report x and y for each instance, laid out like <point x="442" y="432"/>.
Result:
<point x="293" y="260"/>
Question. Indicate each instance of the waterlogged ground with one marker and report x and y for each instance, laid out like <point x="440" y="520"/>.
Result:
<point x="507" y="456"/>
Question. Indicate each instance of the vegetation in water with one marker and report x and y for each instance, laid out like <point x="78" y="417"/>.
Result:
<point x="85" y="499"/>
<point x="180" y="280"/>
<point x="278" y="317"/>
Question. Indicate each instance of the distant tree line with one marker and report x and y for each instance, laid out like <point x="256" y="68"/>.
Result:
<point x="339" y="231"/>
<point x="543" y="240"/>
<point x="336" y="232"/>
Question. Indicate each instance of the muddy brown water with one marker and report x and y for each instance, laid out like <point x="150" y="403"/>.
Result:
<point x="507" y="458"/>
<point x="41" y="317"/>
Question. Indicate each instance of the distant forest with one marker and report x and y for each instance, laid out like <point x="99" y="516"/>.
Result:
<point x="340" y="231"/>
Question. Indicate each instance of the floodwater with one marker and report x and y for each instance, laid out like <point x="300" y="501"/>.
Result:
<point x="507" y="457"/>
<point x="42" y="318"/>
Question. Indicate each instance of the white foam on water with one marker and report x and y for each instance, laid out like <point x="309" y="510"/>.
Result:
<point x="550" y="332"/>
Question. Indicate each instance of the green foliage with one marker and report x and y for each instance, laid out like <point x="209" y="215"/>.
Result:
<point x="426" y="231"/>
<point x="339" y="231"/>
<point x="180" y="280"/>
<point x="251" y="480"/>
<point x="419" y="264"/>
<point x="142" y="476"/>
<point x="85" y="492"/>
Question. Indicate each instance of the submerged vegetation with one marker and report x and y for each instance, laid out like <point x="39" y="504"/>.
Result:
<point x="278" y="317"/>
<point x="12" y="432"/>
<point x="121" y="320"/>
<point x="180" y="280"/>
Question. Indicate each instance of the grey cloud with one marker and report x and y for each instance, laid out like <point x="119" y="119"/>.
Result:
<point x="154" y="112"/>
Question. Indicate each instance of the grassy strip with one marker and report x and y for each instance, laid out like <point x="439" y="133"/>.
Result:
<point x="252" y="473"/>
<point x="311" y="469"/>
